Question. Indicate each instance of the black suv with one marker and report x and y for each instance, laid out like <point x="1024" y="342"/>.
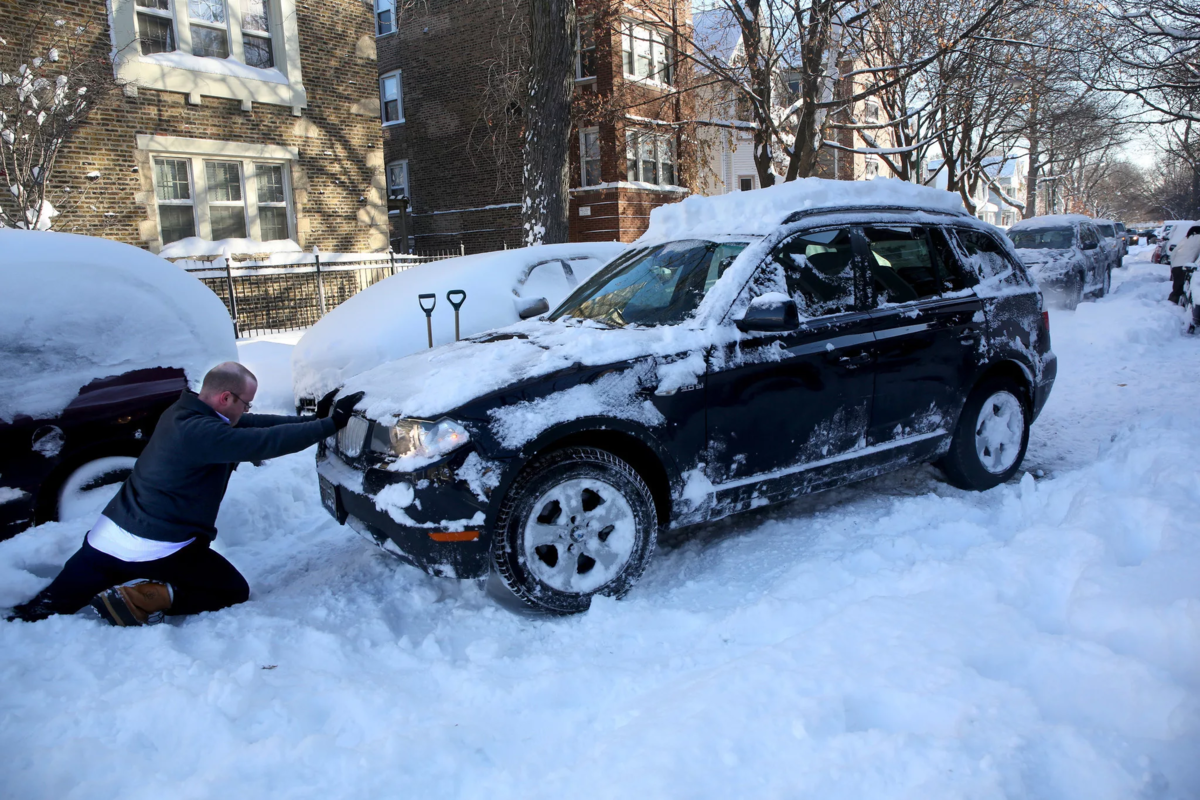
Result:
<point x="689" y="380"/>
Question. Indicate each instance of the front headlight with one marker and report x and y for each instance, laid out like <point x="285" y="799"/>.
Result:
<point x="420" y="439"/>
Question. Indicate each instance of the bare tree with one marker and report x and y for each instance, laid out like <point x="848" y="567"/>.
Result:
<point x="546" y="176"/>
<point x="49" y="83"/>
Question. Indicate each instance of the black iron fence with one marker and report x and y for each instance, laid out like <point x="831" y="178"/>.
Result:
<point x="287" y="292"/>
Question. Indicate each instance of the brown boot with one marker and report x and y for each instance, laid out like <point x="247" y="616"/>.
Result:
<point x="139" y="602"/>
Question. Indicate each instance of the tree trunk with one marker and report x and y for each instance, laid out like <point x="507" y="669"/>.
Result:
<point x="1035" y="153"/>
<point x="547" y="172"/>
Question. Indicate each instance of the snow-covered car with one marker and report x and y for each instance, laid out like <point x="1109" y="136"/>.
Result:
<point x="1064" y="255"/>
<point x="97" y="338"/>
<point x="1111" y="241"/>
<point x="1174" y="233"/>
<point x="749" y="348"/>
<point x="386" y="321"/>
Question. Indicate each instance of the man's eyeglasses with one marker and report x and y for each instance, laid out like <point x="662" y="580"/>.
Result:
<point x="243" y="402"/>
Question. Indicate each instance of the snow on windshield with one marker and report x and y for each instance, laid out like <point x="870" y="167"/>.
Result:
<point x="1043" y="238"/>
<point x="77" y="308"/>
<point x="384" y="322"/>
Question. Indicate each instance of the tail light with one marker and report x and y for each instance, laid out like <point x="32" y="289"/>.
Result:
<point x="1046" y="321"/>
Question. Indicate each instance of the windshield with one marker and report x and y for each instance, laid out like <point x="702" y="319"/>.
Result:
<point x="658" y="285"/>
<point x="1043" y="239"/>
<point x="1107" y="231"/>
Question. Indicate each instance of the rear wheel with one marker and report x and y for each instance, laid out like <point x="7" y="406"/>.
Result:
<point x="87" y="490"/>
<point x="1074" y="293"/>
<point x="578" y="522"/>
<point x="992" y="435"/>
<point x="1106" y="287"/>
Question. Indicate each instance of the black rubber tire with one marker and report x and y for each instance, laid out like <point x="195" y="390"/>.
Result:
<point x="1106" y="286"/>
<point x="554" y="467"/>
<point x="1073" y="296"/>
<point x="961" y="463"/>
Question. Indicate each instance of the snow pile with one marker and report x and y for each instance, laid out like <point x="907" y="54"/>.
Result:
<point x="229" y="67"/>
<point x="76" y="308"/>
<point x="894" y="639"/>
<point x="194" y="246"/>
<point x="761" y="211"/>
<point x="385" y="322"/>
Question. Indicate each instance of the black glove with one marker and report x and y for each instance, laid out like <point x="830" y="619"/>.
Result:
<point x="325" y="404"/>
<point x="343" y="408"/>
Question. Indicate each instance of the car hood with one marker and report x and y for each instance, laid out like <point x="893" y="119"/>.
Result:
<point x="433" y="383"/>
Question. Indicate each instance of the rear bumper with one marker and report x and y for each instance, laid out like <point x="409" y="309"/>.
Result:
<point x="440" y="530"/>
<point x="1041" y="390"/>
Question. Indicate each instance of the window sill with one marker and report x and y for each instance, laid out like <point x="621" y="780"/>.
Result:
<point x="589" y="79"/>
<point x="213" y="77"/>
<point x="393" y="123"/>
<point x="385" y="35"/>
<point x="653" y="84"/>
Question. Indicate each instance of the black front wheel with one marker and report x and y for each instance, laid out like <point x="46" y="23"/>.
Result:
<point x="992" y="435"/>
<point x="576" y="523"/>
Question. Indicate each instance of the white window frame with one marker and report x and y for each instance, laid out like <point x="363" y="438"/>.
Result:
<point x="584" y="133"/>
<point x="380" y="7"/>
<point x="588" y="24"/>
<point x="643" y="39"/>
<point x="399" y="98"/>
<point x="662" y="143"/>
<point x="200" y="151"/>
<point x="190" y="202"/>
<point x="403" y="164"/>
<point x="197" y="76"/>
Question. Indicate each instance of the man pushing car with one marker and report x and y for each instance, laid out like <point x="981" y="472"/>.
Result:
<point x="149" y="554"/>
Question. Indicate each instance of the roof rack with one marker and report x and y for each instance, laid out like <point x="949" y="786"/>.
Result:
<point x="796" y="216"/>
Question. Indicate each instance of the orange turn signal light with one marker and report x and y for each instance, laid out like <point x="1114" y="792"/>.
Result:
<point x="454" y="536"/>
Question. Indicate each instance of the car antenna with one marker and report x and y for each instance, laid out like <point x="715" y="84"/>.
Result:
<point x="462" y="298"/>
<point x="432" y="298"/>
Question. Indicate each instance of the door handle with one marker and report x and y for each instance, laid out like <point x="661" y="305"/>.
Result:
<point x="970" y="337"/>
<point x="852" y="361"/>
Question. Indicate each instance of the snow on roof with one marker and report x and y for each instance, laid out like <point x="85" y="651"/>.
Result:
<point x="384" y="322"/>
<point x="77" y="308"/>
<point x="716" y="33"/>
<point x="761" y="211"/>
<point x="1050" y="221"/>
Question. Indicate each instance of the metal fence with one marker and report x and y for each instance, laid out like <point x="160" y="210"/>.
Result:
<point x="287" y="292"/>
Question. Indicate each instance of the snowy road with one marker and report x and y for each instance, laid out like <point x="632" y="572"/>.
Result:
<point x="898" y="638"/>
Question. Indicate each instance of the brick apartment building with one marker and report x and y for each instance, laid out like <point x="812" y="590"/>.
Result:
<point x="252" y="119"/>
<point x="452" y="121"/>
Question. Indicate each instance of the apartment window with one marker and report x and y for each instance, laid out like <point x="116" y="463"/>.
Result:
<point x="647" y="52"/>
<point x="585" y="60"/>
<point x="650" y="157"/>
<point x="391" y="101"/>
<point x="385" y="17"/>
<point x="872" y="111"/>
<point x="210" y="28"/>
<point x="745" y="183"/>
<point x="256" y="34"/>
<point x="589" y="155"/>
<point x="222" y="198"/>
<point x="156" y="26"/>
<point x="173" y="190"/>
<point x="397" y="180"/>
<point x="871" y="167"/>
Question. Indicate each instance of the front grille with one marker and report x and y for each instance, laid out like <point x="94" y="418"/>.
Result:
<point x="350" y="439"/>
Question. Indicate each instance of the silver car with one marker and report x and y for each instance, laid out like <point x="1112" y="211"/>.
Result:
<point x="1066" y="255"/>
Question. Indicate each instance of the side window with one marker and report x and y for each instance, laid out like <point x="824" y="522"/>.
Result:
<point x="819" y="270"/>
<point x="952" y="275"/>
<point x="900" y="265"/>
<point x="1087" y="235"/>
<point x="984" y="255"/>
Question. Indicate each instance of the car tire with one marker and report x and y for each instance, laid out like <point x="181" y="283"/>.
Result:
<point x="98" y="474"/>
<point x="991" y="436"/>
<point x="1074" y="294"/>
<point x="1106" y="286"/>
<point x="576" y="523"/>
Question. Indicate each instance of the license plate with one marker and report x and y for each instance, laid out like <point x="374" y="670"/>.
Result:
<point x="329" y="499"/>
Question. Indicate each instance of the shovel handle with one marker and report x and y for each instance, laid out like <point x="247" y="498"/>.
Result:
<point x="432" y="298"/>
<point x="462" y="298"/>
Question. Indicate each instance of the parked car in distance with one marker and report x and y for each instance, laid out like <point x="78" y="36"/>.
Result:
<point x="1065" y="255"/>
<point x="748" y="349"/>
<point x="1111" y="241"/>
<point x="385" y="321"/>
<point x="97" y="338"/>
<point x="1177" y="231"/>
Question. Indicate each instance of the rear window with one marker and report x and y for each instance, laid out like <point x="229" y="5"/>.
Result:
<point x="1043" y="239"/>
<point x="1107" y="231"/>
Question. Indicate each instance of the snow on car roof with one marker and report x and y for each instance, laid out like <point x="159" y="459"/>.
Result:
<point x="384" y="322"/>
<point x="78" y="308"/>
<point x="1050" y="221"/>
<point x="761" y="211"/>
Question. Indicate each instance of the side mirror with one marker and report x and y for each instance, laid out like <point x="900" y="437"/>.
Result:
<point x="1090" y="245"/>
<point x="770" y="312"/>
<point x="528" y="307"/>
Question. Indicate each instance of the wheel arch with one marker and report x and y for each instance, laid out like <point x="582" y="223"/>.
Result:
<point x="46" y="506"/>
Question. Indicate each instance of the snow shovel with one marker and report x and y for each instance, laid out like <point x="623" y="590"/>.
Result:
<point x="432" y="298"/>
<point x="462" y="298"/>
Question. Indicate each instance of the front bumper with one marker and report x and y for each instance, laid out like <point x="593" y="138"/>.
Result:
<point x="440" y="530"/>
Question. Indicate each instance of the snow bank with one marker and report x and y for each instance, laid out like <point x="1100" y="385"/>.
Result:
<point x="195" y="246"/>
<point x="761" y="211"/>
<point x="77" y="308"/>
<point x="384" y="322"/>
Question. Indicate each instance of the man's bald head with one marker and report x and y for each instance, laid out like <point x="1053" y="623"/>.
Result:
<point x="228" y="377"/>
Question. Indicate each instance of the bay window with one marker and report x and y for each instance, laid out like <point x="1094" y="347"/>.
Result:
<point x="650" y="157"/>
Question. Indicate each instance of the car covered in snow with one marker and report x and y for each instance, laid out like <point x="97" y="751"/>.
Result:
<point x="1111" y="241"/>
<point x="97" y="338"/>
<point x="386" y="321"/>
<point x="748" y="349"/>
<point x="1174" y="232"/>
<point x="1065" y="255"/>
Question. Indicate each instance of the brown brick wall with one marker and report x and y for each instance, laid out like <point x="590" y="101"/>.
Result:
<point x="337" y="181"/>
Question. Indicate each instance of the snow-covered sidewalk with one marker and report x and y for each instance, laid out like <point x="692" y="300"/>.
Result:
<point x="898" y="638"/>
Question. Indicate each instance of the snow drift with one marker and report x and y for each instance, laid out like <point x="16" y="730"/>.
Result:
<point x="78" y="308"/>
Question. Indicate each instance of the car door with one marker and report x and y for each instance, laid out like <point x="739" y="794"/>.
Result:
<point x="928" y="329"/>
<point x="1089" y="240"/>
<point x="783" y="405"/>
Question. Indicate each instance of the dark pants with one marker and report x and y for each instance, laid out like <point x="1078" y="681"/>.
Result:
<point x="203" y="581"/>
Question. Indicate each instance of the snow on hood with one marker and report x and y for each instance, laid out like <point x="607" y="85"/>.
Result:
<point x="384" y="322"/>
<point x="761" y="211"/>
<point x="429" y="384"/>
<point x="1043" y="261"/>
<point x="78" y="308"/>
